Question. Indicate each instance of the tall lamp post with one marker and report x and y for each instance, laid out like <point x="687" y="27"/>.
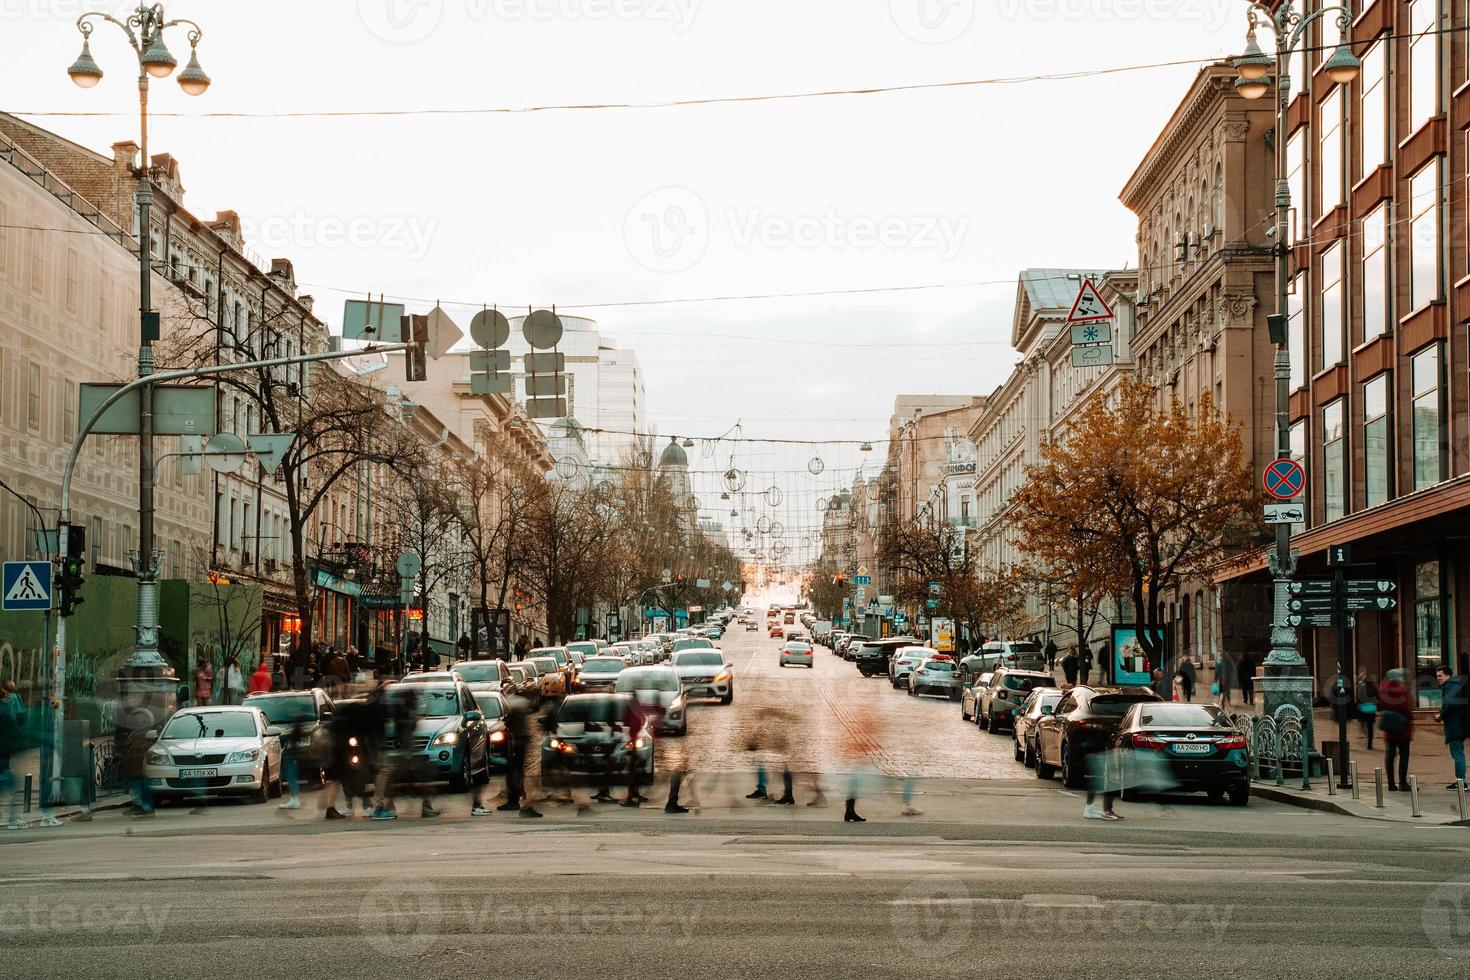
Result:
<point x="1287" y="680"/>
<point x="145" y="29"/>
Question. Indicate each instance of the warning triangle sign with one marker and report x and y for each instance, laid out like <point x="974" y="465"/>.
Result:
<point x="1089" y="306"/>
<point x="26" y="588"/>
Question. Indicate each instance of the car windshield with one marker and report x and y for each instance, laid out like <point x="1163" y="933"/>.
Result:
<point x="211" y="724"/>
<point x="603" y="710"/>
<point x="942" y="666"/>
<point x="602" y="665"/>
<point x="698" y="658"/>
<point x="690" y="643"/>
<point x="1113" y="705"/>
<point x="1020" y="682"/>
<point x="429" y="701"/>
<point x="590" y="649"/>
<point x="1167" y="714"/>
<point x="478" y="672"/>
<point x="648" y="680"/>
<point x="284" y="711"/>
<point x="544" y="665"/>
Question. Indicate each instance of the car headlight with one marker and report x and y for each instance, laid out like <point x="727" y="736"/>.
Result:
<point x="641" y="742"/>
<point x="721" y="677"/>
<point x="497" y="737"/>
<point x="352" y="741"/>
<point x="446" y="738"/>
<point x="249" y="755"/>
<point x="158" y="758"/>
<point x="561" y="746"/>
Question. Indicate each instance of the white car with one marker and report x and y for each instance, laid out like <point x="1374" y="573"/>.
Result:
<point x="229" y="750"/>
<point x="903" y="662"/>
<point x="704" y="673"/>
<point x="796" y="652"/>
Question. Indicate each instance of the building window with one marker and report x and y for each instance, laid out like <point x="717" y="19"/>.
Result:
<point x="1297" y="439"/>
<point x="1296" y="180"/>
<point x="1334" y="316"/>
<point x="1334" y="463"/>
<point x="96" y="533"/>
<point x="33" y="395"/>
<point x="1429" y="630"/>
<point x="1330" y="133"/>
<point x="1296" y="339"/>
<point x="68" y="410"/>
<point x="1374" y="128"/>
<point x="1376" y="310"/>
<point x="1428" y="422"/>
<point x="1425" y="227"/>
<point x="1423" y="62"/>
<point x="1377" y="447"/>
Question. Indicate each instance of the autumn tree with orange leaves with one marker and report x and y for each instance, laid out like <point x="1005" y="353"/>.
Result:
<point x="1138" y="493"/>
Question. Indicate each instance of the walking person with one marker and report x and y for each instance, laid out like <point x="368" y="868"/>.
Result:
<point x="1084" y="662"/>
<point x="1396" y="721"/>
<point x="203" y="677"/>
<point x="1187" y="678"/>
<point x="260" y="680"/>
<point x="1050" y="650"/>
<point x="233" y="683"/>
<point x="1365" y="693"/>
<point x="1246" y="671"/>
<point x="859" y="738"/>
<point x="523" y="647"/>
<point x="291" y="756"/>
<point x="517" y="718"/>
<point x="636" y="722"/>
<point x="1069" y="667"/>
<point x="1225" y="680"/>
<point x="134" y="746"/>
<point x="1454" y="714"/>
<point x="1098" y="784"/>
<point x="12" y="728"/>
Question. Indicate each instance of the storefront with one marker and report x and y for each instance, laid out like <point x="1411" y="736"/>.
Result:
<point x="336" y="609"/>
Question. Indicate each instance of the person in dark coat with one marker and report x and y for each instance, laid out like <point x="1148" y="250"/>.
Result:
<point x="1365" y="704"/>
<point x="1454" y="714"/>
<point x="1225" y="678"/>
<point x="1084" y="663"/>
<point x="1246" y="672"/>
<point x="1069" y="667"/>
<point x="1050" y="650"/>
<point x="1186" y="678"/>
<point x="1396" y="722"/>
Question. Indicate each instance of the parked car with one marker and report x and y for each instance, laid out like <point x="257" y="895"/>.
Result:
<point x="971" y="694"/>
<point x="1008" y="687"/>
<point x="1040" y="702"/>
<point x="550" y="676"/>
<point x="1024" y="654"/>
<point x="704" y="673"/>
<point x="599" y="674"/>
<point x="796" y="652"/>
<point x="1195" y="744"/>
<point x="933" y="676"/>
<point x="659" y="692"/>
<point x="229" y="750"/>
<point x="303" y="717"/>
<point x="1083" y="722"/>
<point x="449" y="741"/>
<point x="485" y="676"/>
<point x="589" y="742"/>
<point x="902" y="663"/>
<point x="872" y="657"/>
<point x="527" y="683"/>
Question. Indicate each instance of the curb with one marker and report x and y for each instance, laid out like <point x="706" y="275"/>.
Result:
<point x="1327" y="805"/>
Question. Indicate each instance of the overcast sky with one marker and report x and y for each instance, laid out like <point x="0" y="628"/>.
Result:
<point x="600" y="211"/>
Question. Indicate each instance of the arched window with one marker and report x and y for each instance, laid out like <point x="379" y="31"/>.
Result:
<point x="1219" y="198"/>
<point x="1185" y="636"/>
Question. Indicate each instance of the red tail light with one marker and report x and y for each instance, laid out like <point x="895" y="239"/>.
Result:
<point x="1142" y="741"/>
<point x="1232" y="742"/>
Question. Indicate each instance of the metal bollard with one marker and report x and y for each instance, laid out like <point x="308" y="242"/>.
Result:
<point x="1414" y="797"/>
<point x="1353" y="771"/>
<point x="1331" y="783"/>
<point x="1378" y="787"/>
<point x="1460" y="793"/>
<point x="30" y="781"/>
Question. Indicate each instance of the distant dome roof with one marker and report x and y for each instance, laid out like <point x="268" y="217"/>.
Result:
<point x="673" y="455"/>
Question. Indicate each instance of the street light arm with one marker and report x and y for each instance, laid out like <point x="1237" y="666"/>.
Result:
<point x="126" y="28"/>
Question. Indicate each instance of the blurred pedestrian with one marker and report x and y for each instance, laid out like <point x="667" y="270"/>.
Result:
<point x="859" y="738"/>
<point x="1104" y="660"/>
<point x="1084" y="662"/>
<point x="398" y="717"/>
<point x="1159" y="684"/>
<point x="12" y="728"/>
<point x="233" y="684"/>
<point x="1225" y="681"/>
<point x="1365" y="694"/>
<point x="523" y="647"/>
<point x="299" y="717"/>
<point x="203" y="677"/>
<point x="1098" y="785"/>
<point x="517" y="733"/>
<point x="1396" y="721"/>
<point x="134" y="746"/>
<point x="338" y="675"/>
<point x="1069" y="667"/>
<point x="278" y="676"/>
<point x="260" y="680"/>
<point x="1186" y="678"/>
<point x="1050" y="650"/>
<point x="1247" y="673"/>
<point x="635" y="722"/>
<point x="1454" y="714"/>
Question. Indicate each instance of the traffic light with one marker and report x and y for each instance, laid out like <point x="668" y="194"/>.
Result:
<point x="70" y="580"/>
<point x="840" y="579"/>
<point x="415" y="332"/>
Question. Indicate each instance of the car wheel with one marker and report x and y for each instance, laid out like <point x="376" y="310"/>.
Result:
<point x="264" y="792"/>
<point x="1016" y="750"/>
<point x="990" y="724"/>
<point x="460" y="781"/>
<point x="728" y="698"/>
<point x="1043" y="771"/>
<point x="1028" y="755"/>
<point x="275" y="788"/>
<point x="1240" y="794"/>
<point x="1071" y="778"/>
<point x="964" y="714"/>
<point x="980" y="718"/>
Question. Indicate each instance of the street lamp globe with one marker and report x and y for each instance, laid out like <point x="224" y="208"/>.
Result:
<point x="1343" y="66"/>
<point x="1253" y="64"/>
<point x="1251" y="88"/>
<point x="85" y="71"/>
<point x="192" y="79"/>
<point x="158" y="61"/>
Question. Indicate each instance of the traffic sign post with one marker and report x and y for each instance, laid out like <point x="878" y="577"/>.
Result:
<point x="1284" y="479"/>
<point x="26" y="586"/>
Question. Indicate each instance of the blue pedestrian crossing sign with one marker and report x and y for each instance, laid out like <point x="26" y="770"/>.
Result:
<point x="26" y="585"/>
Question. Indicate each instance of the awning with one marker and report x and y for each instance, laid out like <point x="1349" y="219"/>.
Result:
<point x="335" y="583"/>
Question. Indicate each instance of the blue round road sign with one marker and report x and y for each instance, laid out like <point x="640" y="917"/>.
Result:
<point x="1284" y="479"/>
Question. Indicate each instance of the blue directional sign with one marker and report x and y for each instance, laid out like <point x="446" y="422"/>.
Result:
<point x="26" y="585"/>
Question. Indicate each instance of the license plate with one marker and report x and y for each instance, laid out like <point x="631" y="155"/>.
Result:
<point x="198" y="773"/>
<point x="1193" y="748"/>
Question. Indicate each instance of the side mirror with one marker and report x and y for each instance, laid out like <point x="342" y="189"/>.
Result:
<point x="273" y="731"/>
<point x="151" y="734"/>
<point x="473" y="716"/>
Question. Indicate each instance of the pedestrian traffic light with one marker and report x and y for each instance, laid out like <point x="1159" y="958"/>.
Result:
<point x="70" y="580"/>
<point x="415" y="332"/>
